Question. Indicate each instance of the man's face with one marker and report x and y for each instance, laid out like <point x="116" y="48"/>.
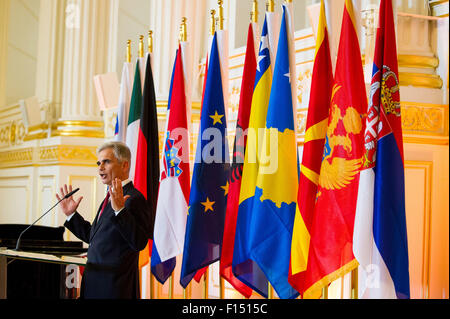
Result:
<point x="110" y="168"/>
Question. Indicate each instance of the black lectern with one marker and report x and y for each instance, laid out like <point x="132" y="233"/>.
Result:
<point x="38" y="270"/>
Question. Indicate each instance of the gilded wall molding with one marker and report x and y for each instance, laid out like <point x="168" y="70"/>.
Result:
<point x="425" y="123"/>
<point x="432" y="81"/>
<point x="72" y="155"/>
<point x="417" y="61"/>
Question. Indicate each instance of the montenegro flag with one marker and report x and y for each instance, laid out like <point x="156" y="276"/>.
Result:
<point x="316" y="128"/>
<point x="330" y="254"/>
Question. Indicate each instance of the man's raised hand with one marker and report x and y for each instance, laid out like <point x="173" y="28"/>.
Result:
<point x="68" y="205"/>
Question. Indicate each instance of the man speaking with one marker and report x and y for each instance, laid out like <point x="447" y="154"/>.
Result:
<point x="119" y="231"/>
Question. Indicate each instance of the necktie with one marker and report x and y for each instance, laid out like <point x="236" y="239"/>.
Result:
<point x="105" y="202"/>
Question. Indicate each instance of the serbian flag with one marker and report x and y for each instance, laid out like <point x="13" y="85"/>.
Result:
<point x="146" y="178"/>
<point x="209" y="188"/>
<point x="174" y="187"/>
<point x="245" y="101"/>
<point x="380" y="237"/>
<point x="331" y="246"/>
<point x="316" y="129"/>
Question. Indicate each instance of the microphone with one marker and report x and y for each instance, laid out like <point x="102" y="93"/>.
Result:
<point x="70" y="194"/>
<point x="65" y="197"/>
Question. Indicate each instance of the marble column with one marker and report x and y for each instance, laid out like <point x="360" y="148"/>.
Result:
<point x="4" y="22"/>
<point x="86" y="53"/>
<point x="165" y="19"/>
<point x="50" y="57"/>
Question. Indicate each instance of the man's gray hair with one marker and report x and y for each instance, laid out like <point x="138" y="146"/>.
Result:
<point x="120" y="150"/>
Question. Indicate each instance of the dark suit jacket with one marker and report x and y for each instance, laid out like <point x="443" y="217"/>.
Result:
<point x="114" y="244"/>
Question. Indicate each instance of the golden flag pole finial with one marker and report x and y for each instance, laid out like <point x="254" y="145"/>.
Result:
<point x="220" y="25"/>
<point x="129" y="51"/>
<point x="254" y="15"/>
<point x="150" y="41"/>
<point x="213" y="22"/>
<point x="270" y="6"/>
<point x="141" y="46"/>
<point x="183" y="30"/>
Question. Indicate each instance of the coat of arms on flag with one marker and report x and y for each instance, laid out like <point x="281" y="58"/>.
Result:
<point x="171" y="159"/>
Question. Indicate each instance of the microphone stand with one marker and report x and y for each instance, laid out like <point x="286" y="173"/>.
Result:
<point x="20" y="236"/>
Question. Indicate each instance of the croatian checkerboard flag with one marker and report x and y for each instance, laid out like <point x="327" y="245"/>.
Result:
<point x="174" y="187"/>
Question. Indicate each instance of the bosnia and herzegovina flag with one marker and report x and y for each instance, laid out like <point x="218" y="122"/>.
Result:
<point x="316" y="129"/>
<point x="330" y="254"/>
<point x="380" y="237"/>
<point x="243" y="265"/>
<point x="174" y="187"/>
<point x="209" y="188"/>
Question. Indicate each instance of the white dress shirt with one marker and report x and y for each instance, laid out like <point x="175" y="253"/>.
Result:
<point x="125" y="182"/>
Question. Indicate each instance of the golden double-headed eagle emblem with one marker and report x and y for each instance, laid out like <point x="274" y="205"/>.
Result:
<point x="337" y="171"/>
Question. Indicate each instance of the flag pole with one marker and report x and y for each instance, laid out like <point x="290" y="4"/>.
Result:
<point x="205" y="287"/>
<point x="270" y="291"/>
<point x="221" y="287"/>
<point x="171" y="286"/>
<point x="220" y="24"/>
<point x="183" y="30"/>
<point x="150" y="41"/>
<point x="270" y="6"/>
<point x="129" y="51"/>
<point x="151" y="285"/>
<point x="254" y="12"/>
<point x="212" y="27"/>
<point x="141" y="46"/>
<point x="325" y="292"/>
<point x="355" y="283"/>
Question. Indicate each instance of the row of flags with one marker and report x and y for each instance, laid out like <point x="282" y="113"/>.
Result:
<point x="268" y="216"/>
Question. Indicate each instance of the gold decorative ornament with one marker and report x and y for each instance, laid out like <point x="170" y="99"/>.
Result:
<point x="270" y="6"/>
<point x="254" y="13"/>
<point x="220" y="21"/>
<point x="183" y="30"/>
<point x="129" y="51"/>
<point x="141" y="46"/>
<point x="212" y="26"/>
<point x="150" y="41"/>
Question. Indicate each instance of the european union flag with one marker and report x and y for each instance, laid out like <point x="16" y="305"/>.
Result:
<point x="209" y="187"/>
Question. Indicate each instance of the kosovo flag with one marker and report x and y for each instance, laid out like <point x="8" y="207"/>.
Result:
<point x="277" y="183"/>
<point x="209" y="188"/>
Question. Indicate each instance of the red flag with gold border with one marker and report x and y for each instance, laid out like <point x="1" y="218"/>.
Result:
<point x="316" y="128"/>
<point x="330" y="254"/>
